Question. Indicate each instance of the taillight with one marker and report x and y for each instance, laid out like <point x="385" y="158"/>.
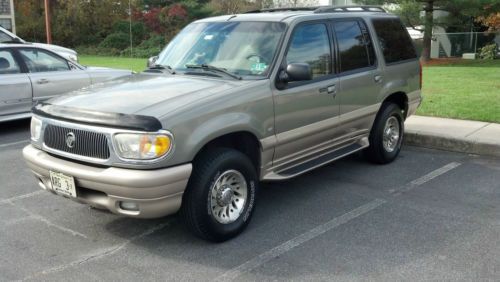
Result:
<point x="420" y="74"/>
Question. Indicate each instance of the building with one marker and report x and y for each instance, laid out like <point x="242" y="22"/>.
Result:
<point x="7" y="19"/>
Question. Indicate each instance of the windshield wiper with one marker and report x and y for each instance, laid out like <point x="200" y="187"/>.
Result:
<point x="163" y="67"/>
<point x="214" y="68"/>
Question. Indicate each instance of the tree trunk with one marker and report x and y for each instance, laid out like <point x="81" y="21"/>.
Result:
<point x="429" y="23"/>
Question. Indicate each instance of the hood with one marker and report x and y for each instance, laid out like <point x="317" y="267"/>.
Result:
<point x="145" y="94"/>
<point x="55" y="48"/>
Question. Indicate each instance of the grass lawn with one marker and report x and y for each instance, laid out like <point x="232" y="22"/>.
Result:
<point x="135" y="64"/>
<point x="463" y="89"/>
<point x="468" y="89"/>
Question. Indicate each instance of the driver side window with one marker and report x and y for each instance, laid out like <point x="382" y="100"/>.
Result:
<point x="310" y="44"/>
<point x="42" y="61"/>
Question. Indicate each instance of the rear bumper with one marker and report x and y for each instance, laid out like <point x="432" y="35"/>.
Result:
<point x="413" y="105"/>
<point x="156" y="192"/>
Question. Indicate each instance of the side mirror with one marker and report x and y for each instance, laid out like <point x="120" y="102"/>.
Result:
<point x="297" y="72"/>
<point x="152" y="61"/>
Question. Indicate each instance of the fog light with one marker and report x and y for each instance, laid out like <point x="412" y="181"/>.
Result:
<point x="129" y="206"/>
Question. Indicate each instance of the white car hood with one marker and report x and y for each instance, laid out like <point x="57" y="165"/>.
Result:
<point x="55" y="48"/>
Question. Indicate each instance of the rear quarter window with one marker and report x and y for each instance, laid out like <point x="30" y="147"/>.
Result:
<point x="394" y="40"/>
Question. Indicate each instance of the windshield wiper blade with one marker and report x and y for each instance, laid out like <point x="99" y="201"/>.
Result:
<point x="163" y="67"/>
<point x="214" y="68"/>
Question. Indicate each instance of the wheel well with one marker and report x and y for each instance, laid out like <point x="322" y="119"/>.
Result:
<point x="400" y="99"/>
<point x="242" y="141"/>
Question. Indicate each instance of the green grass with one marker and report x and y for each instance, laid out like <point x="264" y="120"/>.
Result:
<point x="462" y="90"/>
<point x="135" y="64"/>
<point x="468" y="89"/>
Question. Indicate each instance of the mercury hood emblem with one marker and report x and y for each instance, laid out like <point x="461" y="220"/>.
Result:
<point x="70" y="140"/>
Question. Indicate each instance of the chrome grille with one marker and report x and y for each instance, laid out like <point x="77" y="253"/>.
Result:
<point x="87" y="143"/>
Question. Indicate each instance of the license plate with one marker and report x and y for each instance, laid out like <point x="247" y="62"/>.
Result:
<point x="63" y="184"/>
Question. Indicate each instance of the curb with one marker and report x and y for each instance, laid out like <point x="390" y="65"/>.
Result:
<point x="448" y="143"/>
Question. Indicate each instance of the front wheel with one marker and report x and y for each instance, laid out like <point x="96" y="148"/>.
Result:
<point x="220" y="197"/>
<point x="386" y="136"/>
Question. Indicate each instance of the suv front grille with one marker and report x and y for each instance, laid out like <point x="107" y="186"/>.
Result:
<point x="86" y="143"/>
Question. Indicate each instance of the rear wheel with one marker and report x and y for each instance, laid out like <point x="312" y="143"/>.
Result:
<point x="386" y="136"/>
<point x="220" y="197"/>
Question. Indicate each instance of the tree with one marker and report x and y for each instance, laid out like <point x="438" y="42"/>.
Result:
<point x="492" y="21"/>
<point x="460" y="14"/>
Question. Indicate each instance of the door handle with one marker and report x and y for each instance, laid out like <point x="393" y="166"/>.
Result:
<point x="332" y="90"/>
<point x="377" y="78"/>
<point x="42" y="81"/>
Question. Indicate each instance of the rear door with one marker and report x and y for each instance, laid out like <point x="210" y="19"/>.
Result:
<point x="360" y="77"/>
<point x="15" y="86"/>
<point x="50" y="74"/>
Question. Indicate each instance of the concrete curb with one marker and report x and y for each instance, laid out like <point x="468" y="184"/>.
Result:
<point x="449" y="143"/>
<point x="463" y="136"/>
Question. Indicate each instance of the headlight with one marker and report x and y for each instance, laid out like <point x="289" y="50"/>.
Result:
<point x="36" y="128"/>
<point x="137" y="146"/>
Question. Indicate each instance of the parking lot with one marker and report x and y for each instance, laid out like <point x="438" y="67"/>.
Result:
<point x="431" y="215"/>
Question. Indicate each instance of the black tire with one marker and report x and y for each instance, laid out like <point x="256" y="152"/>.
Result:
<point x="376" y="152"/>
<point x="196" y="208"/>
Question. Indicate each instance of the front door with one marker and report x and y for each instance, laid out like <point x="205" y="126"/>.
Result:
<point x="15" y="86"/>
<point x="51" y="75"/>
<point x="306" y="112"/>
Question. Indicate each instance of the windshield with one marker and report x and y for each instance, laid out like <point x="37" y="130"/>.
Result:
<point x="243" y="48"/>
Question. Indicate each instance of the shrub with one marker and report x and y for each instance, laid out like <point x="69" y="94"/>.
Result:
<point x="117" y="40"/>
<point x="488" y="52"/>
<point x="148" y="48"/>
<point x="139" y="30"/>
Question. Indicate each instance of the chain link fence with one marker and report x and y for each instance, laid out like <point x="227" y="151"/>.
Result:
<point x="449" y="45"/>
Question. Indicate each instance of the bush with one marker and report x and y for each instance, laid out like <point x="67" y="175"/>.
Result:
<point x="148" y="48"/>
<point x="117" y="40"/>
<point x="139" y="30"/>
<point x="94" y="50"/>
<point x="488" y="52"/>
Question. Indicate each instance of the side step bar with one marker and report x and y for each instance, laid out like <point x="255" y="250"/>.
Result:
<point x="317" y="162"/>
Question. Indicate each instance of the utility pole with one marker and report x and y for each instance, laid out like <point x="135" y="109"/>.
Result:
<point x="47" y="22"/>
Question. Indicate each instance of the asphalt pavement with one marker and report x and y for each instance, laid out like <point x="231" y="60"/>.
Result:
<point x="430" y="215"/>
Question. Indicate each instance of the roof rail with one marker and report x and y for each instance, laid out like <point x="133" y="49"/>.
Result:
<point x="324" y="9"/>
<point x="271" y="10"/>
<point x="352" y="8"/>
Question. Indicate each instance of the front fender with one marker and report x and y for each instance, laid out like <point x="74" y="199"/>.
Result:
<point x="220" y="126"/>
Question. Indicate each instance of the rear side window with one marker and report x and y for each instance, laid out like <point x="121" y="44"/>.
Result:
<point x="310" y="44"/>
<point x="394" y="40"/>
<point x="355" y="48"/>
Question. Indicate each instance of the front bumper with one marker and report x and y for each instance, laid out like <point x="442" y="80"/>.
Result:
<point x="156" y="192"/>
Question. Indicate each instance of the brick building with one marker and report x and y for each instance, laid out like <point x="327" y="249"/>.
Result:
<point x="7" y="20"/>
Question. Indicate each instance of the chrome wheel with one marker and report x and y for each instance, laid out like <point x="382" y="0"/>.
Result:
<point x="228" y="196"/>
<point x="391" y="134"/>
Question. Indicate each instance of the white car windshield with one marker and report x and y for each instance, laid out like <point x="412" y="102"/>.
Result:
<point x="242" y="48"/>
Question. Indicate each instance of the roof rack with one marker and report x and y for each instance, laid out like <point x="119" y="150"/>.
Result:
<point x="324" y="9"/>
<point x="352" y="8"/>
<point x="271" y="10"/>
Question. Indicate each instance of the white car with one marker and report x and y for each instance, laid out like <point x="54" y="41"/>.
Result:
<point x="30" y="74"/>
<point x="9" y="37"/>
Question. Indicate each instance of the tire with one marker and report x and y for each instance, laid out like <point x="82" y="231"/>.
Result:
<point x="209" y="209"/>
<point x="381" y="153"/>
